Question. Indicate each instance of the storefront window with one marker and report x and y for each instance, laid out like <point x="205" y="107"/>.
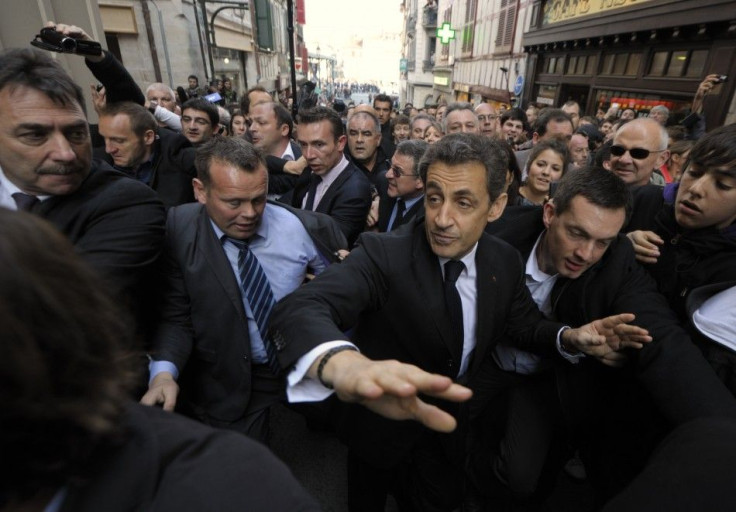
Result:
<point x="619" y="64"/>
<point x="590" y="65"/>
<point x="607" y="64"/>
<point x="659" y="61"/>
<point x="571" y="63"/>
<point x="552" y="65"/>
<point x="677" y="63"/>
<point x="560" y="65"/>
<point x="697" y="63"/>
<point x="580" y="68"/>
<point x="632" y="67"/>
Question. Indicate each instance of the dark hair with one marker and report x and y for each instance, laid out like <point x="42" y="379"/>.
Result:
<point x="283" y="117"/>
<point x="383" y="98"/>
<point x="415" y="149"/>
<point x="515" y="114"/>
<point x="513" y="189"/>
<point x="400" y="119"/>
<point x="547" y="116"/>
<point x="600" y="187"/>
<point x="716" y="150"/>
<point x="245" y="102"/>
<point x="141" y="120"/>
<point x="603" y="154"/>
<point x="193" y="76"/>
<point x="235" y="113"/>
<point x="205" y="106"/>
<point x="65" y="371"/>
<point x="460" y="148"/>
<point x="232" y="150"/>
<point x="555" y="145"/>
<point x="319" y="114"/>
<point x="34" y="69"/>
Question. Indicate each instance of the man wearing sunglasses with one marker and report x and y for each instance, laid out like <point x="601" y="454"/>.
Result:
<point x="639" y="149"/>
<point x="404" y="196"/>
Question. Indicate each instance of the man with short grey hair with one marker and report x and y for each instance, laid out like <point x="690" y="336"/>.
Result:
<point x="460" y="118"/>
<point x="161" y="101"/>
<point x="660" y="113"/>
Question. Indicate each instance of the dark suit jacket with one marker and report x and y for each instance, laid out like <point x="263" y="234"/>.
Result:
<point x="204" y="330"/>
<point x="347" y="200"/>
<point x="166" y="462"/>
<point x="386" y="206"/>
<point x="117" y="225"/>
<point x="280" y="182"/>
<point x="671" y="368"/>
<point x="173" y="168"/>
<point x="390" y="291"/>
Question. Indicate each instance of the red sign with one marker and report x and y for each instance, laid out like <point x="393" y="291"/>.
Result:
<point x="301" y="16"/>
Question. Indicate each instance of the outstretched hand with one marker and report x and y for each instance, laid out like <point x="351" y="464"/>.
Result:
<point x="391" y="389"/>
<point x="602" y="337"/>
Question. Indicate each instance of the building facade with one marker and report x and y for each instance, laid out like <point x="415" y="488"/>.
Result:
<point x="419" y="45"/>
<point x="632" y="54"/>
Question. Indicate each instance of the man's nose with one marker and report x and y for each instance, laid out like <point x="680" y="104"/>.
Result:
<point x="61" y="150"/>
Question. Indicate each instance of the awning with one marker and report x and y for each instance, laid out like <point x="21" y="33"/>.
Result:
<point x="501" y="95"/>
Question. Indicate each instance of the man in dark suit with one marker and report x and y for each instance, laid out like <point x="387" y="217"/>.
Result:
<point x="390" y="292"/>
<point x="404" y="197"/>
<point x="213" y="341"/>
<point x="331" y="184"/>
<point x="160" y="158"/>
<point x="46" y="167"/>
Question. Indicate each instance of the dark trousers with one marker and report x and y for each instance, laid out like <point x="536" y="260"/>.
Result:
<point x="267" y="389"/>
<point x="425" y="481"/>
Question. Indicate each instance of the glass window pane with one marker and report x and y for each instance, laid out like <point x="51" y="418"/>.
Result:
<point x="607" y="64"/>
<point x="552" y="64"/>
<point x="632" y="68"/>
<point x="580" y="69"/>
<point x="560" y="64"/>
<point x="572" y="61"/>
<point x="590" y="65"/>
<point x="697" y="63"/>
<point x="619" y="65"/>
<point x="677" y="63"/>
<point x="658" y="62"/>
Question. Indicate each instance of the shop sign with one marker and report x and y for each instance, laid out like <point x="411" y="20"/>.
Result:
<point x="556" y="11"/>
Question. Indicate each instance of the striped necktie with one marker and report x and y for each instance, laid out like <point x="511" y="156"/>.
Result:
<point x="25" y="202"/>
<point x="257" y="291"/>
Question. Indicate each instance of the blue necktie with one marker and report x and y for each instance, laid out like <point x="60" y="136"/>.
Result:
<point x="257" y="292"/>
<point x="400" y="210"/>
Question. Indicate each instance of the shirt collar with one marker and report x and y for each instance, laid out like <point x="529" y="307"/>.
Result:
<point x="12" y="188"/>
<point x="468" y="260"/>
<point x="288" y="152"/>
<point x="333" y="173"/>
<point x="532" y="264"/>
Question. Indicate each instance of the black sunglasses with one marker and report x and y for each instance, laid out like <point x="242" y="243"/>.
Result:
<point x="637" y="153"/>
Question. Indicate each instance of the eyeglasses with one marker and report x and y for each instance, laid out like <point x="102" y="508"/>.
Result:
<point x="489" y="117"/>
<point x="399" y="173"/>
<point x="636" y="153"/>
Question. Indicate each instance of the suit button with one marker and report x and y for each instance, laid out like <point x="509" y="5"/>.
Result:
<point x="245" y="358"/>
<point x="450" y="363"/>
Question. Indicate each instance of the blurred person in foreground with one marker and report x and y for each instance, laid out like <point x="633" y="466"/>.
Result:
<point x="72" y="440"/>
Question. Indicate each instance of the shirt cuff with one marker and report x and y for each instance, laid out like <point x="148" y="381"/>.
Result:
<point x="572" y="358"/>
<point x="299" y="387"/>
<point x="156" y="367"/>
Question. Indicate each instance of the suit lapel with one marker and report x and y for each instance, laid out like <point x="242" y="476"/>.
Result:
<point x="486" y="292"/>
<point x="211" y="249"/>
<point x="326" y="201"/>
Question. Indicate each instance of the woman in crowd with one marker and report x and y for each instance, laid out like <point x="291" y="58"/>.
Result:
<point x="433" y="132"/>
<point x="238" y="126"/>
<point x="547" y="163"/>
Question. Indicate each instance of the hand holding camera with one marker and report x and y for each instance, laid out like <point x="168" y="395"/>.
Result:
<point x="68" y="39"/>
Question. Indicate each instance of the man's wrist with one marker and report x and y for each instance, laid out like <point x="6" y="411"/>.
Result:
<point x="328" y="382"/>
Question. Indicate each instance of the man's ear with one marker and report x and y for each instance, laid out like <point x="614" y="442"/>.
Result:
<point x="200" y="190"/>
<point x="284" y="129"/>
<point x="549" y="213"/>
<point x="498" y="206"/>
<point x="341" y="140"/>
<point x="149" y="137"/>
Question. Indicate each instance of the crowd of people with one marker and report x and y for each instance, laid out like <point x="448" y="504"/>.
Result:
<point x="470" y="299"/>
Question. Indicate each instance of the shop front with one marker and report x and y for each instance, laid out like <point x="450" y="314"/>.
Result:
<point x="632" y="54"/>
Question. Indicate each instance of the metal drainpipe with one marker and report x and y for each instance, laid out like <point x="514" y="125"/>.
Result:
<point x="201" y="44"/>
<point x="151" y="40"/>
<point x="166" y="46"/>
